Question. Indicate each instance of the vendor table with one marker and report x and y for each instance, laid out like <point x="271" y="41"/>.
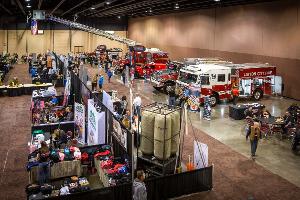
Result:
<point x="103" y="177"/>
<point x="52" y="126"/>
<point x="237" y="111"/>
<point x="58" y="170"/>
<point x="25" y="89"/>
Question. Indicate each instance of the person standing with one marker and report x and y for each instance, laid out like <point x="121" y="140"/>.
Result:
<point x="109" y="74"/>
<point x="94" y="82"/>
<point x="137" y="102"/>
<point x="101" y="81"/>
<point x="139" y="188"/>
<point x="172" y="95"/>
<point x="43" y="158"/>
<point x="235" y="94"/>
<point x="254" y="134"/>
<point x="123" y="76"/>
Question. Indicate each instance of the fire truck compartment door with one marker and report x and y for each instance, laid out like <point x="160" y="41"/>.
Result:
<point x="245" y="87"/>
<point x="278" y="85"/>
<point x="268" y="86"/>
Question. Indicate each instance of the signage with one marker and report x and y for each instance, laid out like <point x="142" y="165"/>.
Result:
<point x="257" y="72"/>
<point x="96" y="125"/>
<point x="137" y="48"/>
<point x="34" y="27"/>
<point x="200" y="155"/>
<point x="80" y="122"/>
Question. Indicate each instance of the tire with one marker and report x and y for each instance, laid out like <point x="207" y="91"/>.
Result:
<point x="158" y="88"/>
<point x="257" y="94"/>
<point x="136" y="75"/>
<point x="214" y="100"/>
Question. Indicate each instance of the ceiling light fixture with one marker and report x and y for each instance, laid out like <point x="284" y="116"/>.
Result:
<point x="28" y="6"/>
<point x="176" y="6"/>
<point x="150" y="10"/>
<point x="27" y="0"/>
<point x="92" y="8"/>
<point x="217" y="0"/>
<point x="107" y="2"/>
<point x="119" y="17"/>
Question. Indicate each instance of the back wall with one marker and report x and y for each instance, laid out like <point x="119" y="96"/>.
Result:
<point x="266" y="33"/>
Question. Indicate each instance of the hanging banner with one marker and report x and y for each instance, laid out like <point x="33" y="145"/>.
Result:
<point x="194" y="97"/>
<point x="120" y="133"/>
<point x="96" y="125"/>
<point x="67" y="90"/>
<point x="107" y="101"/>
<point x="34" y="27"/>
<point x="80" y="123"/>
<point x="200" y="155"/>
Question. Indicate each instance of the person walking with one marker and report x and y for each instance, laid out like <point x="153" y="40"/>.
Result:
<point x="123" y="76"/>
<point x="254" y="134"/>
<point x="139" y="188"/>
<point x="101" y="81"/>
<point x="109" y="74"/>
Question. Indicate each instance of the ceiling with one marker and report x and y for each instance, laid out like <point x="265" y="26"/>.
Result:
<point x="111" y="8"/>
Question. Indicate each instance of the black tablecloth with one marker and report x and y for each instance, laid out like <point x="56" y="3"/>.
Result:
<point x="237" y="112"/>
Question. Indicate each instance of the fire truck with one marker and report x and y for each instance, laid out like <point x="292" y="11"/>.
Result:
<point x="145" y="61"/>
<point x="151" y="60"/>
<point x="162" y="79"/>
<point x="217" y="80"/>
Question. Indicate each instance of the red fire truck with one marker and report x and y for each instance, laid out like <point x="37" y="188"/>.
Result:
<point x="217" y="80"/>
<point x="162" y="79"/>
<point x="145" y="61"/>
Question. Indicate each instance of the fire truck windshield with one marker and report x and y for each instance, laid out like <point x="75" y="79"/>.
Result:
<point x="187" y="77"/>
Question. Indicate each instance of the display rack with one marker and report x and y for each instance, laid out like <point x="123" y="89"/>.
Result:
<point x="153" y="165"/>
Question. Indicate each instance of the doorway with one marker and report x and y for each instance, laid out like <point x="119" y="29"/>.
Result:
<point x="78" y="49"/>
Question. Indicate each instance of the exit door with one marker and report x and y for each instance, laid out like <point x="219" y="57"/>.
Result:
<point x="78" y="49"/>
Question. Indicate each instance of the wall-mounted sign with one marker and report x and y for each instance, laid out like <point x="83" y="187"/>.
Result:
<point x="34" y="27"/>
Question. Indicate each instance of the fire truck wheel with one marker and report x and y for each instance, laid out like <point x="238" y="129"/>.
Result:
<point x="213" y="100"/>
<point x="257" y="94"/>
<point x="136" y="75"/>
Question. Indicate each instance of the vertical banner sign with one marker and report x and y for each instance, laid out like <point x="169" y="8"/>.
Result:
<point x="67" y="91"/>
<point x="80" y="122"/>
<point x="200" y="155"/>
<point x="194" y="97"/>
<point x="96" y="125"/>
<point x="34" y="27"/>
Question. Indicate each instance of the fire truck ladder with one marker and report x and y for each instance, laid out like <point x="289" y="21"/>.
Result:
<point x="92" y="30"/>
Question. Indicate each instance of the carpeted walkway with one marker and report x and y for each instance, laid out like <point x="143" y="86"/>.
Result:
<point x="15" y="128"/>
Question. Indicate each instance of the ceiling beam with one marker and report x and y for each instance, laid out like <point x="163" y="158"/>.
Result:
<point x="40" y="4"/>
<point x="58" y="5"/>
<point x="4" y="8"/>
<point x="75" y="7"/>
<point x="20" y="6"/>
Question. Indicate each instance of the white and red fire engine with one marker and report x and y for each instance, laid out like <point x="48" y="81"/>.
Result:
<point x="217" y="80"/>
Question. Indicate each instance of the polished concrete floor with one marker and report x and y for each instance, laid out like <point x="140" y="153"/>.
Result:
<point x="273" y="154"/>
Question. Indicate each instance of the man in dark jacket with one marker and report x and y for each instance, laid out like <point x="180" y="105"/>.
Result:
<point x="139" y="188"/>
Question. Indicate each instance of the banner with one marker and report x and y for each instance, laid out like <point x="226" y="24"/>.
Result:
<point x="200" y="155"/>
<point x="194" y="97"/>
<point x="96" y="125"/>
<point x="67" y="91"/>
<point x="120" y="133"/>
<point x="80" y="122"/>
<point x="107" y="101"/>
<point x="34" y="27"/>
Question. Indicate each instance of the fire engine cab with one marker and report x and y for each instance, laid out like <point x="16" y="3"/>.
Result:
<point x="217" y="80"/>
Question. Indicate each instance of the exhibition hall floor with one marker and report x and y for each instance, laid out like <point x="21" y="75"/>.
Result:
<point x="235" y="175"/>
